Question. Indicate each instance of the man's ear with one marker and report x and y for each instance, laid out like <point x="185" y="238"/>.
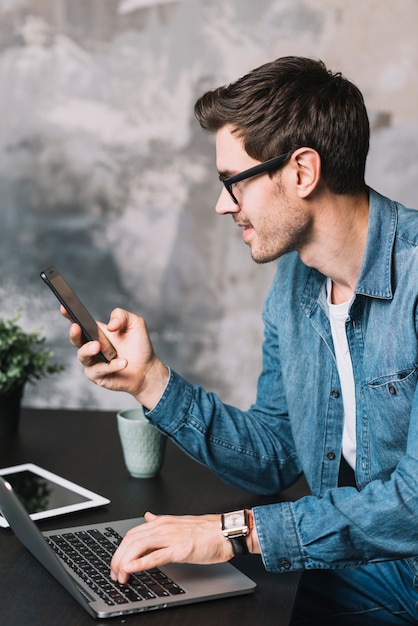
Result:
<point x="307" y="163"/>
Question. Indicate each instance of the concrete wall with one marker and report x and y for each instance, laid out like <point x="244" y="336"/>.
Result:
<point x="105" y="173"/>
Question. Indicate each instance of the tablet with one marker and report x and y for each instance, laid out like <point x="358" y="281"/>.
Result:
<point x="44" y="494"/>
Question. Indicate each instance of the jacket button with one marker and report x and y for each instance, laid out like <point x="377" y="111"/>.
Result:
<point x="331" y="455"/>
<point x="286" y="564"/>
<point x="392" y="390"/>
<point x="335" y="393"/>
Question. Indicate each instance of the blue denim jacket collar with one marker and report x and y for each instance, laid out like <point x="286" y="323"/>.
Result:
<point x="375" y="273"/>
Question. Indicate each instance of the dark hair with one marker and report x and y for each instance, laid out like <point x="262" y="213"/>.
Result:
<point x="294" y="102"/>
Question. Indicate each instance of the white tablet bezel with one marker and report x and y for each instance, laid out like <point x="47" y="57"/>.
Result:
<point x="94" y="499"/>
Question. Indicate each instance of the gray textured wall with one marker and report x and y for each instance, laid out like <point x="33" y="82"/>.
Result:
<point x="105" y="173"/>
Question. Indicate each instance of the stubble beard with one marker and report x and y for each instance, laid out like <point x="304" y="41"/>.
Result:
<point x="286" y="230"/>
<point x="280" y="241"/>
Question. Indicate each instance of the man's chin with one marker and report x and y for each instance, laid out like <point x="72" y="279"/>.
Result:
<point x="262" y="259"/>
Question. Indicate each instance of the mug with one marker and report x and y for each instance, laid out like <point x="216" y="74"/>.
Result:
<point x="143" y="445"/>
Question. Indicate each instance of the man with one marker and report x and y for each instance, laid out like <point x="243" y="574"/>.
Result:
<point x="337" y="397"/>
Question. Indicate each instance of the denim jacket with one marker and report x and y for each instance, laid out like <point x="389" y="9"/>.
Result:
<point x="296" y="423"/>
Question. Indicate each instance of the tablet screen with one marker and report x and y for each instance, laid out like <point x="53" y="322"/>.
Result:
<point x="44" y="494"/>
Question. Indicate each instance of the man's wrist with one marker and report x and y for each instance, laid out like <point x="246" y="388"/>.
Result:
<point x="249" y="537"/>
<point x="252" y="538"/>
<point x="155" y="385"/>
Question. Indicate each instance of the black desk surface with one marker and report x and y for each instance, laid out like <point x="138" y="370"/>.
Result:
<point x="83" y="446"/>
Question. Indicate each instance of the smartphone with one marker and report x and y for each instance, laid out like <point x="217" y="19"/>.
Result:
<point x="78" y="312"/>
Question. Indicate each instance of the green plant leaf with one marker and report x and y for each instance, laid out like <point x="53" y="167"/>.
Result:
<point x="24" y="356"/>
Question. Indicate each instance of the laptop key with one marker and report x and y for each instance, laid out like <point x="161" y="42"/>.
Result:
<point x="132" y="595"/>
<point x="174" y="589"/>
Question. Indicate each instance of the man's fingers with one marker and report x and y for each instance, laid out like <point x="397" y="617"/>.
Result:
<point x="64" y="312"/>
<point x="76" y="335"/>
<point x="118" y="321"/>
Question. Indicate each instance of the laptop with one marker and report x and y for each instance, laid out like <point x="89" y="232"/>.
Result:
<point x="79" y="558"/>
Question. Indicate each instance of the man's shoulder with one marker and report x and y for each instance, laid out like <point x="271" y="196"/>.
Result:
<point x="406" y="218"/>
<point x="407" y="225"/>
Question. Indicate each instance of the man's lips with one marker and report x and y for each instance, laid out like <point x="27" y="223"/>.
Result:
<point x="247" y="230"/>
<point x="242" y="224"/>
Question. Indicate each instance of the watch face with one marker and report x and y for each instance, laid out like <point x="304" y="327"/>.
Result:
<point x="234" y="520"/>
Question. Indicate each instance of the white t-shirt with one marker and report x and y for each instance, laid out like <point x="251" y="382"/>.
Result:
<point x="338" y="314"/>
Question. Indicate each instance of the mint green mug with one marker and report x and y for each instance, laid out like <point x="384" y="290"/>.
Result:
<point x="143" y="445"/>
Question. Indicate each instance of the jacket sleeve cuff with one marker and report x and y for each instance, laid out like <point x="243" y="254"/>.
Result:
<point x="277" y="536"/>
<point x="172" y="408"/>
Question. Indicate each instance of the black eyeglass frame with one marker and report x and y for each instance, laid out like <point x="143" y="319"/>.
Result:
<point x="267" y="166"/>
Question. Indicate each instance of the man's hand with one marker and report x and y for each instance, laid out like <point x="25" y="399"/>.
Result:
<point x="168" y="539"/>
<point x="136" y="370"/>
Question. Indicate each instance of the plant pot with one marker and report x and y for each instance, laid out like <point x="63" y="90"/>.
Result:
<point x="10" y="412"/>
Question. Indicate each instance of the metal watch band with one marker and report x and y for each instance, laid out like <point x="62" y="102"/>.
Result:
<point x="239" y="546"/>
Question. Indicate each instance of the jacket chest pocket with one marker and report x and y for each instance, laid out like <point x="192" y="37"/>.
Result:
<point x="389" y="407"/>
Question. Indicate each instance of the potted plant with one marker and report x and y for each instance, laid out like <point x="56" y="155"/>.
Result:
<point x="23" y="358"/>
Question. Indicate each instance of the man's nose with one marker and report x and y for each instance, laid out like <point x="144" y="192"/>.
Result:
<point x="225" y="204"/>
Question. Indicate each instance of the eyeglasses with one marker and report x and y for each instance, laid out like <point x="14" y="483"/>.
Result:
<point x="268" y="166"/>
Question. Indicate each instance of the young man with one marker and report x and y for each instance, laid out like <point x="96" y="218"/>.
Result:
<point x="337" y="397"/>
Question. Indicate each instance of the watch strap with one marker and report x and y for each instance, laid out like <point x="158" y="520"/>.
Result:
<point x="239" y="546"/>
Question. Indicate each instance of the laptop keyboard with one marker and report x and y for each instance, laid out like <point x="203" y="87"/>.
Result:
<point x="89" y="552"/>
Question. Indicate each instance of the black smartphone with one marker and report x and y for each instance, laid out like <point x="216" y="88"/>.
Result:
<point x="78" y="312"/>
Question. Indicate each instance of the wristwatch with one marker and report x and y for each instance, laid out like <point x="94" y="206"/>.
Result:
<point x="235" y="527"/>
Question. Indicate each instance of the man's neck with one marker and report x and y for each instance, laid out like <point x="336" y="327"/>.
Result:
<point x="338" y="242"/>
